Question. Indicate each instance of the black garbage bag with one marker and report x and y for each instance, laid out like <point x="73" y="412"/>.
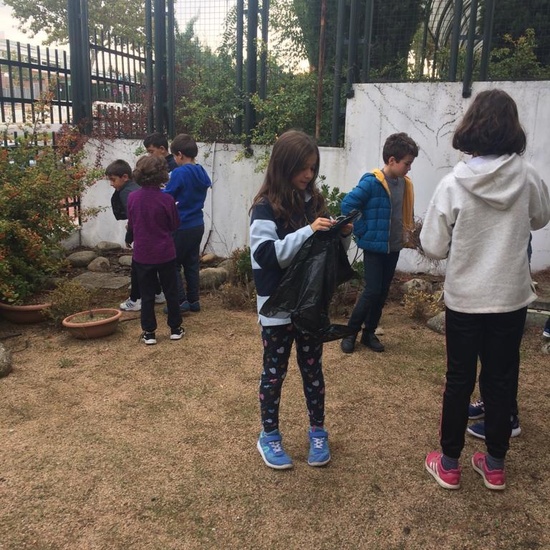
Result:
<point x="309" y="282"/>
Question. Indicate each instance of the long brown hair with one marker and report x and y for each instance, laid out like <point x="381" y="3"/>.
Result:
<point x="289" y="155"/>
<point x="490" y="126"/>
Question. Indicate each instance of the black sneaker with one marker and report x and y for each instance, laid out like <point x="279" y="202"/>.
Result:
<point x="149" y="338"/>
<point x="347" y="345"/>
<point x="177" y="333"/>
<point x="370" y="340"/>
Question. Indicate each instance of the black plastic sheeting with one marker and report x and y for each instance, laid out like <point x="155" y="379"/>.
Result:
<point x="309" y="282"/>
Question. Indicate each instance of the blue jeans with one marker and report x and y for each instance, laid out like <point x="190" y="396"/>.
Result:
<point x="188" y="247"/>
<point x="379" y="272"/>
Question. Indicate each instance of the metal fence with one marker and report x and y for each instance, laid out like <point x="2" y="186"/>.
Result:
<point x="224" y="68"/>
<point x="119" y="95"/>
<point x="28" y="73"/>
<point x="343" y="42"/>
<point x="121" y="102"/>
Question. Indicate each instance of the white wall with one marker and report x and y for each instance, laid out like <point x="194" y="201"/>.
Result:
<point x="428" y="112"/>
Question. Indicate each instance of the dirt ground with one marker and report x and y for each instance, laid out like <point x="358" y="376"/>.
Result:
<point x="111" y="444"/>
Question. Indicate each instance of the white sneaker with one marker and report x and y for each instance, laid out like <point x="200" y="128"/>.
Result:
<point x="546" y="333"/>
<point x="130" y="305"/>
<point x="159" y="298"/>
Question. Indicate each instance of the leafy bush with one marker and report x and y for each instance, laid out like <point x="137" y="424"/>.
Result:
<point x="238" y="297"/>
<point x="69" y="297"/>
<point x="333" y="199"/>
<point x="37" y="176"/>
<point x="242" y="263"/>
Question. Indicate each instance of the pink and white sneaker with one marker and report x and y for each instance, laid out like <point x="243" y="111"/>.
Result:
<point x="493" y="479"/>
<point x="448" y="479"/>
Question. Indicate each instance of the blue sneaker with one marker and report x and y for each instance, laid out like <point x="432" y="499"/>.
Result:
<point x="476" y="410"/>
<point x="271" y="448"/>
<point x="185" y="307"/>
<point x="190" y="306"/>
<point x="478" y="429"/>
<point x="319" y="453"/>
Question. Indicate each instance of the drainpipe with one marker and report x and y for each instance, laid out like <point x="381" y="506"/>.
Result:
<point x="468" y="69"/>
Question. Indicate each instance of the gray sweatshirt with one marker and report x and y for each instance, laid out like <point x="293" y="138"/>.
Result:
<point x="480" y="218"/>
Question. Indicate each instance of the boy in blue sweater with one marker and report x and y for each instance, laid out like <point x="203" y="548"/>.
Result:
<point x="188" y="184"/>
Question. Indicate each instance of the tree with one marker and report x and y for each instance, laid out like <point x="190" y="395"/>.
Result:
<point x="207" y="102"/>
<point x="512" y="18"/>
<point x="517" y="60"/>
<point x="124" y="18"/>
<point x="392" y="32"/>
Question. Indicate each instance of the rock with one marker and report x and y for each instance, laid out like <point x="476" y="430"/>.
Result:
<point x="81" y="258"/>
<point x="5" y="361"/>
<point x="125" y="260"/>
<point x="106" y="246"/>
<point x="227" y="264"/>
<point x="546" y="346"/>
<point x="417" y="285"/>
<point x="90" y="279"/>
<point x="213" y="277"/>
<point x="209" y="259"/>
<point x="536" y="318"/>
<point x="100" y="264"/>
<point x="437" y="323"/>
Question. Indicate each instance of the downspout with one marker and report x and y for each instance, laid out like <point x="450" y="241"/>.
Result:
<point x="211" y="231"/>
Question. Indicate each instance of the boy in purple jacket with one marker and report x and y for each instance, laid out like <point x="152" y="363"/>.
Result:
<point x="152" y="216"/>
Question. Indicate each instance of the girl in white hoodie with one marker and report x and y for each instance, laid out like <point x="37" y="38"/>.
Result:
<point x="480" y="218"/>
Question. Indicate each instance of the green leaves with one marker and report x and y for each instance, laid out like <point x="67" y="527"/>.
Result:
<point x="123" y="18"/>
<point x="35" y="182"/>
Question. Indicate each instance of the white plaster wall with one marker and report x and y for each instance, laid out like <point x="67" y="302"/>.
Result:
<point x="428" y="112"/>
<point x="235" y="182"/>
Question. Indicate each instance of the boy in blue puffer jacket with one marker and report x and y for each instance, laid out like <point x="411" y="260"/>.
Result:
<point x="385" y="198"/>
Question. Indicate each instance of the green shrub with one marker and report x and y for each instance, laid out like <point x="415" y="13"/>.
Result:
<point x="242" y="264"/>
<point x="36" y="178"/>
<point x="69" y="297"/>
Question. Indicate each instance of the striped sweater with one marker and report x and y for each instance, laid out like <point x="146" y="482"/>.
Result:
<point x="272" y="249"/>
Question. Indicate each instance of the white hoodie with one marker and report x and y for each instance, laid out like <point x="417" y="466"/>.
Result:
<point x="480" y="218"/>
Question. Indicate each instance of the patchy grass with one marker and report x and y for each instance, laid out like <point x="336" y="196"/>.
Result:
<point x="112" y="444"/>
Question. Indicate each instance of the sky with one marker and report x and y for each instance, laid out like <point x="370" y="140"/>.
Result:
<point x="9" y="30"/>
<point x="208" y="27"/>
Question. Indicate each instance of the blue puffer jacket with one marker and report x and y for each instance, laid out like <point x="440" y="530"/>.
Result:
<point x="372" y="197"/>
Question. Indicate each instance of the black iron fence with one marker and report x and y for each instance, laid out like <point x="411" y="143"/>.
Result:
<point x="119" y="98"/>
<point x="227" y="69"/>
<point x="254" y="45"/>
<point x="28" y="74"/>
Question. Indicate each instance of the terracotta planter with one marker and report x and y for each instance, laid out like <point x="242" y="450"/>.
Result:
<point x="23" y="315"/>
<point x="84" y="327"/>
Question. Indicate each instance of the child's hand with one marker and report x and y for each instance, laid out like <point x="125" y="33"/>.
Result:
<point x="322" y="224"/>
<point x="346" y="230"/>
